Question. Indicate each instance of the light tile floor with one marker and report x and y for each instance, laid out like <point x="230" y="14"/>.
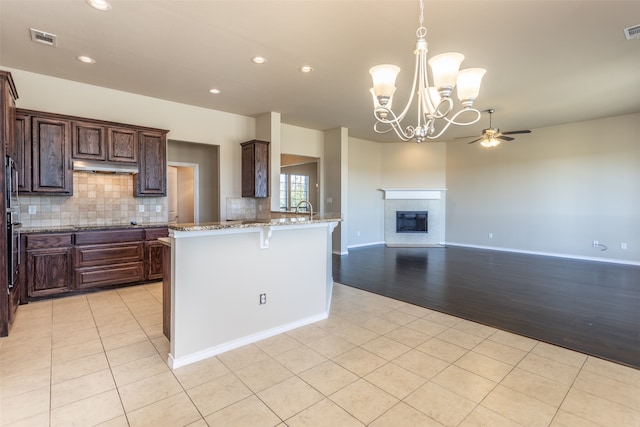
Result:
<point x="100" y="359"/>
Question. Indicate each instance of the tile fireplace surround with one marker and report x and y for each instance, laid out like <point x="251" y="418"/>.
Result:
<point x="414" y="199"/>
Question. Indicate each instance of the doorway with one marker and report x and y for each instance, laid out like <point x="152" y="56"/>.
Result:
<point x="204" y="160"/>
<point x="182" y="192"/>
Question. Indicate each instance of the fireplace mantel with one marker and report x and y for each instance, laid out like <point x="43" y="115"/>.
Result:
<point x="412" y="193"/>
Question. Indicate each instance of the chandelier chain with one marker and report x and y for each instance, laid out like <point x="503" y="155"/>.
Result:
<point x="421" y="32"/>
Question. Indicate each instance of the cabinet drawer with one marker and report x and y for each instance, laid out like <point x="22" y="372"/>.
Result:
<point x="154" y="233"/>
<point x="47" y="241"/>
<point x="86" y="256"/>
<point x="109" y="236"/>
<point x="118" y="274"/>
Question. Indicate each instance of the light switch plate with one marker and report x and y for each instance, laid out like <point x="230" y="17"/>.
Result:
<point x="158" y="208"/>
<point x="32" y="209"/>
<point x="140" y="208"/>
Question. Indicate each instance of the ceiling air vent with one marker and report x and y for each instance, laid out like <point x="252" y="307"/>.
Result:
<point x="43" y="37"/>
<point x="632" y="32"/>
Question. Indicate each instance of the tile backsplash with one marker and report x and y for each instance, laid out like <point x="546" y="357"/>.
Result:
<point x="98" y="199"/>
<point x="242" y="208"/>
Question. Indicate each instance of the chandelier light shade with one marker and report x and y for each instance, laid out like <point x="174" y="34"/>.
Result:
<point x="435" y="105"/>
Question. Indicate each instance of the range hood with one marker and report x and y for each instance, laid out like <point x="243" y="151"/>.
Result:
<point x="104" y="167"/>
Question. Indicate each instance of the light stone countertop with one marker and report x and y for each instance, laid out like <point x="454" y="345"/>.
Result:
<point x="272" y="220"/>
<point x="96" y="227"/>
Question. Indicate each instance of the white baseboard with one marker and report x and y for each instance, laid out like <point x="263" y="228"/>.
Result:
<point x="361" y="245"/>
<point x="552" y="254"/>
<point x="179" y="362"/>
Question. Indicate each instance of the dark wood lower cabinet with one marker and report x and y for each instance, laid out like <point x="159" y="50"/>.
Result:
<point x="49" y="266"/>
<point x="58" y="263"/>
<point x="153" y="261"/>
<point x="153" y="255"/>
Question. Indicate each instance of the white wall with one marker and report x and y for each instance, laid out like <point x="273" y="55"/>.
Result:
<point x="185" y="122"/>
<point x="301" y="141"/>
<point x="411" y="165"/>
<point x="336" y="183"/>
<point x="365" y="201"/>
<point x="553" y="191"/>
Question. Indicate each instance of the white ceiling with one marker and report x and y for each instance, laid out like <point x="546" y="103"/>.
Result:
<point x="548" y="62"/>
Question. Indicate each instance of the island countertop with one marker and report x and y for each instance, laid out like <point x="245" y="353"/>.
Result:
<point x="272" y="220"/>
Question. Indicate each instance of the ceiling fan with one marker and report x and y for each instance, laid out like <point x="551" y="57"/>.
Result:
<point x="492" y="136"/>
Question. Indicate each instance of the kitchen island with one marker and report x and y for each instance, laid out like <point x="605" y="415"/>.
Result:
<point x="236" y="282"/>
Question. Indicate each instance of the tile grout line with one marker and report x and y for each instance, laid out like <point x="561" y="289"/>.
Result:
<point x="107" y="359"/>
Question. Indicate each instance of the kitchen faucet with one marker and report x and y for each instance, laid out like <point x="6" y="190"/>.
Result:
<point x="308" y="205"/>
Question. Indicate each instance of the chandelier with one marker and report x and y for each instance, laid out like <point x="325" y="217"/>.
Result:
<point x="435" y="105"/>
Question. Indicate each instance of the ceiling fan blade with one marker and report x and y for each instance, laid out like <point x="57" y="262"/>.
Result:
<point x="475" y="140"/>
<point x="464" y="137"/>
<point x="505" y="138"/>
<point x="514" y="132"/>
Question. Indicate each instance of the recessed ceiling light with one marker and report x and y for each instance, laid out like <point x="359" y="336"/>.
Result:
<point x="99" y="4"/>
<point x="306" y="69"/>
<point x="86" y="59"/>
<point x="258" y="59"/>
<point x="214" y="91"/>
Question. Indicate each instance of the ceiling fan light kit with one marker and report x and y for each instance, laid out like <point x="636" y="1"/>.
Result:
<point x="434" y="103"/>
<point x="492" y="137"/>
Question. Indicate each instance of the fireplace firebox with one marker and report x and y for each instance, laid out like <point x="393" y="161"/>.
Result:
<point x="412" y="222"/>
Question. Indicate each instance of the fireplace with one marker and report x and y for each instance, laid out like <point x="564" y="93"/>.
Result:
<point x="412" y="222"/>
<point x="427" y="205"/>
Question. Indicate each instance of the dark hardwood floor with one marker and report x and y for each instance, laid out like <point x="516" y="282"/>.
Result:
<point x="592" y="307"/>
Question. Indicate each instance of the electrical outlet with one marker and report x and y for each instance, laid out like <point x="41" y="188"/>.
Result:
<point x="140" y="208"/>
<point x="596" y="243"/>
<point x="358" y="233"/>
<point x="623" y="246"/>
<point x="32" y="209"/>
<point x="491" y="235"/>
<point x="158" y="208"/>
<point x="263" y="299"/>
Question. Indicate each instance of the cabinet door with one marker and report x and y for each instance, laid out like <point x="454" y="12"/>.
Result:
<point x="153" y="260"/>
<point x="255" y="169"/>
<point x="51" y="161"/>
<point x="123" y="145"/>
<point x="151" y="180"/>
<point x="88" y="141"/>
<point x="23" y="152"/>
<point x="48" y="271"/>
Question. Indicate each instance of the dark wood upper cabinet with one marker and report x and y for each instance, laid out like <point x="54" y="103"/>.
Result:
<point x="152" y="177"/>
<point x="122" y="145"/>
<point x="23" y="152"/>
<point x="94" y="141"/>
<point x="88" y="141"/>
<point x="255" y="168"/>
<point x="51" y="156"/>
<point x="46" y="144"/>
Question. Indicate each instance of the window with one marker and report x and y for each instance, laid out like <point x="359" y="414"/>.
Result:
<point x="293" y="190"/>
